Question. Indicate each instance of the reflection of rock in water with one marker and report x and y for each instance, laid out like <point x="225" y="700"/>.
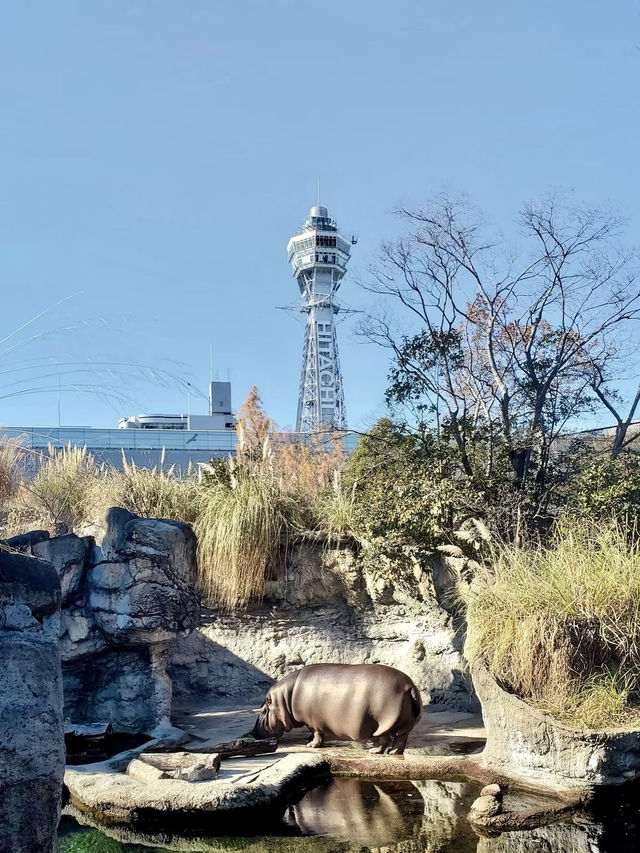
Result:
<point x="555" y="838"/>
<point x="346" y="815"/>
<point x="444" y="824"/>
<point x="419" y="817"/>
<point x="359" y="811"/>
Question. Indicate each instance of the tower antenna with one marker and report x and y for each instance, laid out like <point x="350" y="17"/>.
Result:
<point x="318" y="189"/>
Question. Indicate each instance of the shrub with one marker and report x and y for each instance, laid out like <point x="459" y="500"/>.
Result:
<point x="560" y="625"/>
<point x="62" y="493"/>
<point x="609" y="488"/>
<point x="149" y="492"/>
<point x="401" y="486"/>
<point x="242" y="522"/>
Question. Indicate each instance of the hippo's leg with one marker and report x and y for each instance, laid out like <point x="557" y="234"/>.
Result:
<point x="317" y="740"/>
<point x="398" y="745"/>
<point x="380" y="745"/>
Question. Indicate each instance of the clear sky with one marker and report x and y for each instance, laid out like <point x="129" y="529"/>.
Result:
<point x="156" y="156"/>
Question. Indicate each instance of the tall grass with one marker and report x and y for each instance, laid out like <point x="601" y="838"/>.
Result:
<point x="244" y="510"/>
<point x="243" y="521"/>
<point x="560" y="625"/>
<point x="62" y="493"/>
<point x="11" y="451"/>
<point x="334" y="509"/>
<point x="149" y="492"/>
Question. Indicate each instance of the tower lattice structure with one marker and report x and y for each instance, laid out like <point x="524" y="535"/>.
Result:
<point x="319" y="255"/>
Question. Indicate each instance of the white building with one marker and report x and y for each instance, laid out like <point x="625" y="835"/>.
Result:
<point x="220" y="416"/>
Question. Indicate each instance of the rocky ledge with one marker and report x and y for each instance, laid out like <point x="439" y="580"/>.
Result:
<point x="115" y="798"/>
<point x="526" y="744"/>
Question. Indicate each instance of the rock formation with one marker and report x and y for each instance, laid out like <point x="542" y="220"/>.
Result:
<point x="31" y="724"/>
<point x="340" y="606"/>
<point x="526" y="743"/>
<point x="128" y="588"/>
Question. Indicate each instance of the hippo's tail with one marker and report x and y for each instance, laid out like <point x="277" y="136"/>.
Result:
<point x="416" y="702"/>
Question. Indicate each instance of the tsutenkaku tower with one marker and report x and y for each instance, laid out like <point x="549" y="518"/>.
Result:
<point x="319" y="255"/>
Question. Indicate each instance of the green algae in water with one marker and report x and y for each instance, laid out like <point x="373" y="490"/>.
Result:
<point x="94" y="841"/>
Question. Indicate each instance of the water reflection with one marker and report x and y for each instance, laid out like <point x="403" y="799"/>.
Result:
<point x="399" y="817"/>
<point x="357" y="810"/>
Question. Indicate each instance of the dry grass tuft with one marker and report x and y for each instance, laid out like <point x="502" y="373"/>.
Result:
<point x="11" y="452"/>
<point x="243" y="522"/>
<point x="560" y="625"/>
<point x="62" y="493"/>
<point x="149" y="492"/>
<point x="334" y="509"/>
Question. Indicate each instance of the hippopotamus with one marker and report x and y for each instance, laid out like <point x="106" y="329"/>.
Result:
<point x="359" y="702"/>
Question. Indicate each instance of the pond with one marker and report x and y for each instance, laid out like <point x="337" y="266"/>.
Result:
<point x="346" y="814"/>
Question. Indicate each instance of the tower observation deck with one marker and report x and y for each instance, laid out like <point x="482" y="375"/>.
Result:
<point x="319" y="255"/>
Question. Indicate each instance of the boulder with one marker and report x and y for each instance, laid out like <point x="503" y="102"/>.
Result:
<point x="525" y="743"/>
<point x="126" y="588"/>
<point x="29" y="581"/>
<point x="31" y="725"/>
<point x="68" y="555"/>
<point x="142" y="579"/>
<point x="484" y="808"/>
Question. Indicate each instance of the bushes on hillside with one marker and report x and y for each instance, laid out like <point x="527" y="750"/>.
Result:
<point x="609" y="488"/>
<point x="401" y="486"/>
<point x="559" y="625"/>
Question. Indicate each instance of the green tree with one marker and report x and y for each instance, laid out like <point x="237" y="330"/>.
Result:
<point x="610" y="488"/>
<point x="503" y="349"/>
<point x="402" y="485"/>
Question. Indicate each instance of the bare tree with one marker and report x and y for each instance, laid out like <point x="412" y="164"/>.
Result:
<point x="505" y="347"/>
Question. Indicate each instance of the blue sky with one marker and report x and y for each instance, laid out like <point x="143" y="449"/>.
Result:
<point x="156" y="156"/>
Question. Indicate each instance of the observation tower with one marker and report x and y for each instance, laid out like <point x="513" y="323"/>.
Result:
<point x="319" y="255"/>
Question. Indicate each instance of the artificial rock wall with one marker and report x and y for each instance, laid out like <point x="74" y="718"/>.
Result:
<point x="31" y="725"/>
<point x="127" y="590"/>
<point x="339" y="605"/>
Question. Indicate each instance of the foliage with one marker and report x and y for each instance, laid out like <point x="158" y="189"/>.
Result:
<point x="272" y="491"/>
<point x="609" y="488"/>
<point x="11" y="452"/>
<point x="503" y="350"/>
<point x="401" y="485"/>
<point x="560" y="625"/>
<point x="242" y="523"/>
<point x="253" y="429"/>
<point x="334" y="509"/>
<point x="61" y="495"/>
<point x="307" y="468"/>
<point x="149" y="492"/>
<point x="409" y="487"/>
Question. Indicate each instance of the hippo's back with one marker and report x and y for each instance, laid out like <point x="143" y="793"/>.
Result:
<point x="355" y="701"/>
